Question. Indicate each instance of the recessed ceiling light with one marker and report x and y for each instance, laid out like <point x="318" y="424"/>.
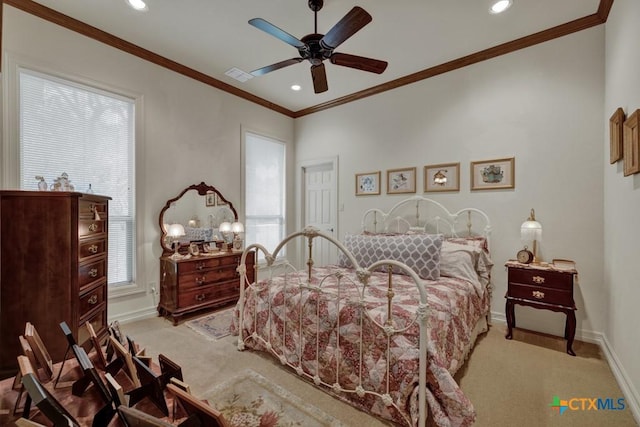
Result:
<point x="500" y="6"/>
<point x="296" y="87"/>
<point x="137" y="4"/>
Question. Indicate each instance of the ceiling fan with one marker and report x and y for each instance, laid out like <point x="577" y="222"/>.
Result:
<point x="317" y="47"/>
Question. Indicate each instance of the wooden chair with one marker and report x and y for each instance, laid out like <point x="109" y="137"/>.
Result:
<point x="196" y="409"/>
<point x="46" y="403"/>
<point x="123" y="360"/>
<point x="39" y="350"/>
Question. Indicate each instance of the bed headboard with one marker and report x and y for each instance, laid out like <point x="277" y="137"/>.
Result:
<point x="419" y="214"/>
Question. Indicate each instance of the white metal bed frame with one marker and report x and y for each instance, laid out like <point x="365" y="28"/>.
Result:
<point x="425" y="215"/>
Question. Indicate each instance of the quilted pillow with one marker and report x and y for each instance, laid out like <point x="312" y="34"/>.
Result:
<point x="420" y="252"/>
<point x="459" y="261"/>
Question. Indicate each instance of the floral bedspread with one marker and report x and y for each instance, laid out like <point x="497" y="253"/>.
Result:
<point x="289" y="315"/>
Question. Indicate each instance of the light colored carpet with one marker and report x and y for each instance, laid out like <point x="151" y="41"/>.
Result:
<point x="510" y="382"/>
<point x="249" y="399"/>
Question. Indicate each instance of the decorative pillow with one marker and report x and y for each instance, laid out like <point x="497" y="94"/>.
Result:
<point x="421" y="252"/>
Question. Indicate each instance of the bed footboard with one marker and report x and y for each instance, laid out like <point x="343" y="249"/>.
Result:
<point x="323" y="324"/>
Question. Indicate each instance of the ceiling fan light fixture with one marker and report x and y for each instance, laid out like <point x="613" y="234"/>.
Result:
<point x="139" y="5"/>
<point x="500" y="6"/>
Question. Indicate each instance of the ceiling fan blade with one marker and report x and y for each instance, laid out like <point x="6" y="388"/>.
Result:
<point x="276" y="66"/>
<point x="276" y="32"/>
<point x="319" y="78"/>
<point x="350" y="24"/>
<point x="359" y="62"/>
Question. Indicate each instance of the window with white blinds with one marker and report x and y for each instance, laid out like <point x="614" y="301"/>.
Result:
<point x="264" y="191"/>
<point x="89" y="134"/>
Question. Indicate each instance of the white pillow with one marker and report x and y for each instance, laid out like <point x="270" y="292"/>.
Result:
<point x="459" y="261"/>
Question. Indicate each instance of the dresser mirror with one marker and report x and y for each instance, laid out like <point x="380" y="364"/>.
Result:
<point x="199" y="209"/>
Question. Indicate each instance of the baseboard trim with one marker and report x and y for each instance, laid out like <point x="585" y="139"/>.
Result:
<point x="135" y="315"/>
<point x="630" y="393"/>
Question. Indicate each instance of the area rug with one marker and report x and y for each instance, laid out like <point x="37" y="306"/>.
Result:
<point x="213" y="326"/>
<point x="250" y="400"/>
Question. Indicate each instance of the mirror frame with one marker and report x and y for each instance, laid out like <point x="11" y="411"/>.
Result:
<point x="202" y="190"/>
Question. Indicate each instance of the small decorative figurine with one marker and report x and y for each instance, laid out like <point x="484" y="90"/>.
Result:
<point x="42" y="184"/>
<point x="62" y="183"/>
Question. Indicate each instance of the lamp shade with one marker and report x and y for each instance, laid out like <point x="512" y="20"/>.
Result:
<point x="176" y="230"/>
<point x="531" y="230"/>
<point x="237" y="227"/>
<point x="225" y="227"/>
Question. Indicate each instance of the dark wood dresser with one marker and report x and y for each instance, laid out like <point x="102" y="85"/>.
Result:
<point x="53" y="268"/>
<point x="201" y="282"/>
<point x="541" y="286"/>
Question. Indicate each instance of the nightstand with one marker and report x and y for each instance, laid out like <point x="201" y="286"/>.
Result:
<point x="541" y="286"/>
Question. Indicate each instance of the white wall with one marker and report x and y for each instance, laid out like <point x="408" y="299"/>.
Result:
<point x="191" y="132"/>
<point x="622" y="200"/>
<point x="542" y="105"/>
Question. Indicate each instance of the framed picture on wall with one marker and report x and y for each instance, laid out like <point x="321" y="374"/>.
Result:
<point x="210" y="199"/>
<point x="368" y="183"/>
<point x="493" y="174"/>
<point x="616" y="123"/>
<point x="442" y="177"/>
<point x="631" y="162"/>
<point x="401" y="181"/>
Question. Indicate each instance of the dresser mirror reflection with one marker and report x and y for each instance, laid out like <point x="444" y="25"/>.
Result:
<point x="199" y="209"/>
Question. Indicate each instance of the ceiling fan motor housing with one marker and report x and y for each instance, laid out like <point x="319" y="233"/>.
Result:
<point x="316" y="5"/>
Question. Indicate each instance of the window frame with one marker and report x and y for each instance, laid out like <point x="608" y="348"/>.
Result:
<point x="284" y="218"/>
<point x="10" y="150"/>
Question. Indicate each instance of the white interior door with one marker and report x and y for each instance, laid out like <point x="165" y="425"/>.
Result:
<point x="320" y="208"/>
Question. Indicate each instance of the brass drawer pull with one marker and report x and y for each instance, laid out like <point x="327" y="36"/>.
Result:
<point x="93" y="249"/>
<point x="537" y="294"/>
<point x="200" y="297"/>
<point x="200" y="266"/>
<point x="93" y="300"/>
<point x="538" y="279"/>
<point x="93" y="272"/>
<point x="200" y="280"/>
<point x="93" y="227"/>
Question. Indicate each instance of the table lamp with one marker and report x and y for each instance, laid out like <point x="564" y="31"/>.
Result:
<point x="236" y="229"/>
<point x="531" y="230"/>
<point x="225" y="230"/>
<point x="174" y="232"/>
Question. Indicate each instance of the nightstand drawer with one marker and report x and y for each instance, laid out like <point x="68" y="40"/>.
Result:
<point x="547" y="279"/>
<point x="541" y="294"/>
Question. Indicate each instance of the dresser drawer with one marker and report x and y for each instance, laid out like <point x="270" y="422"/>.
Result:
<point x="547" y="279"/>
<point x="205" y="263"/>
<point x="541" y="294"/>
<point x="92" y="299"/>
<point x="88" y="209"/>
<point x="91" y="227"/>
<point x="204" y="278"/>
<point x="90" y="248"/>
<point x="212" y="293"/>
<point x="90" y="272"/>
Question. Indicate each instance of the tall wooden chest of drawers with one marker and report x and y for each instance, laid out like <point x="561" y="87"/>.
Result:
<point x="199" y="283"/>
<point x="53" y="262"/>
